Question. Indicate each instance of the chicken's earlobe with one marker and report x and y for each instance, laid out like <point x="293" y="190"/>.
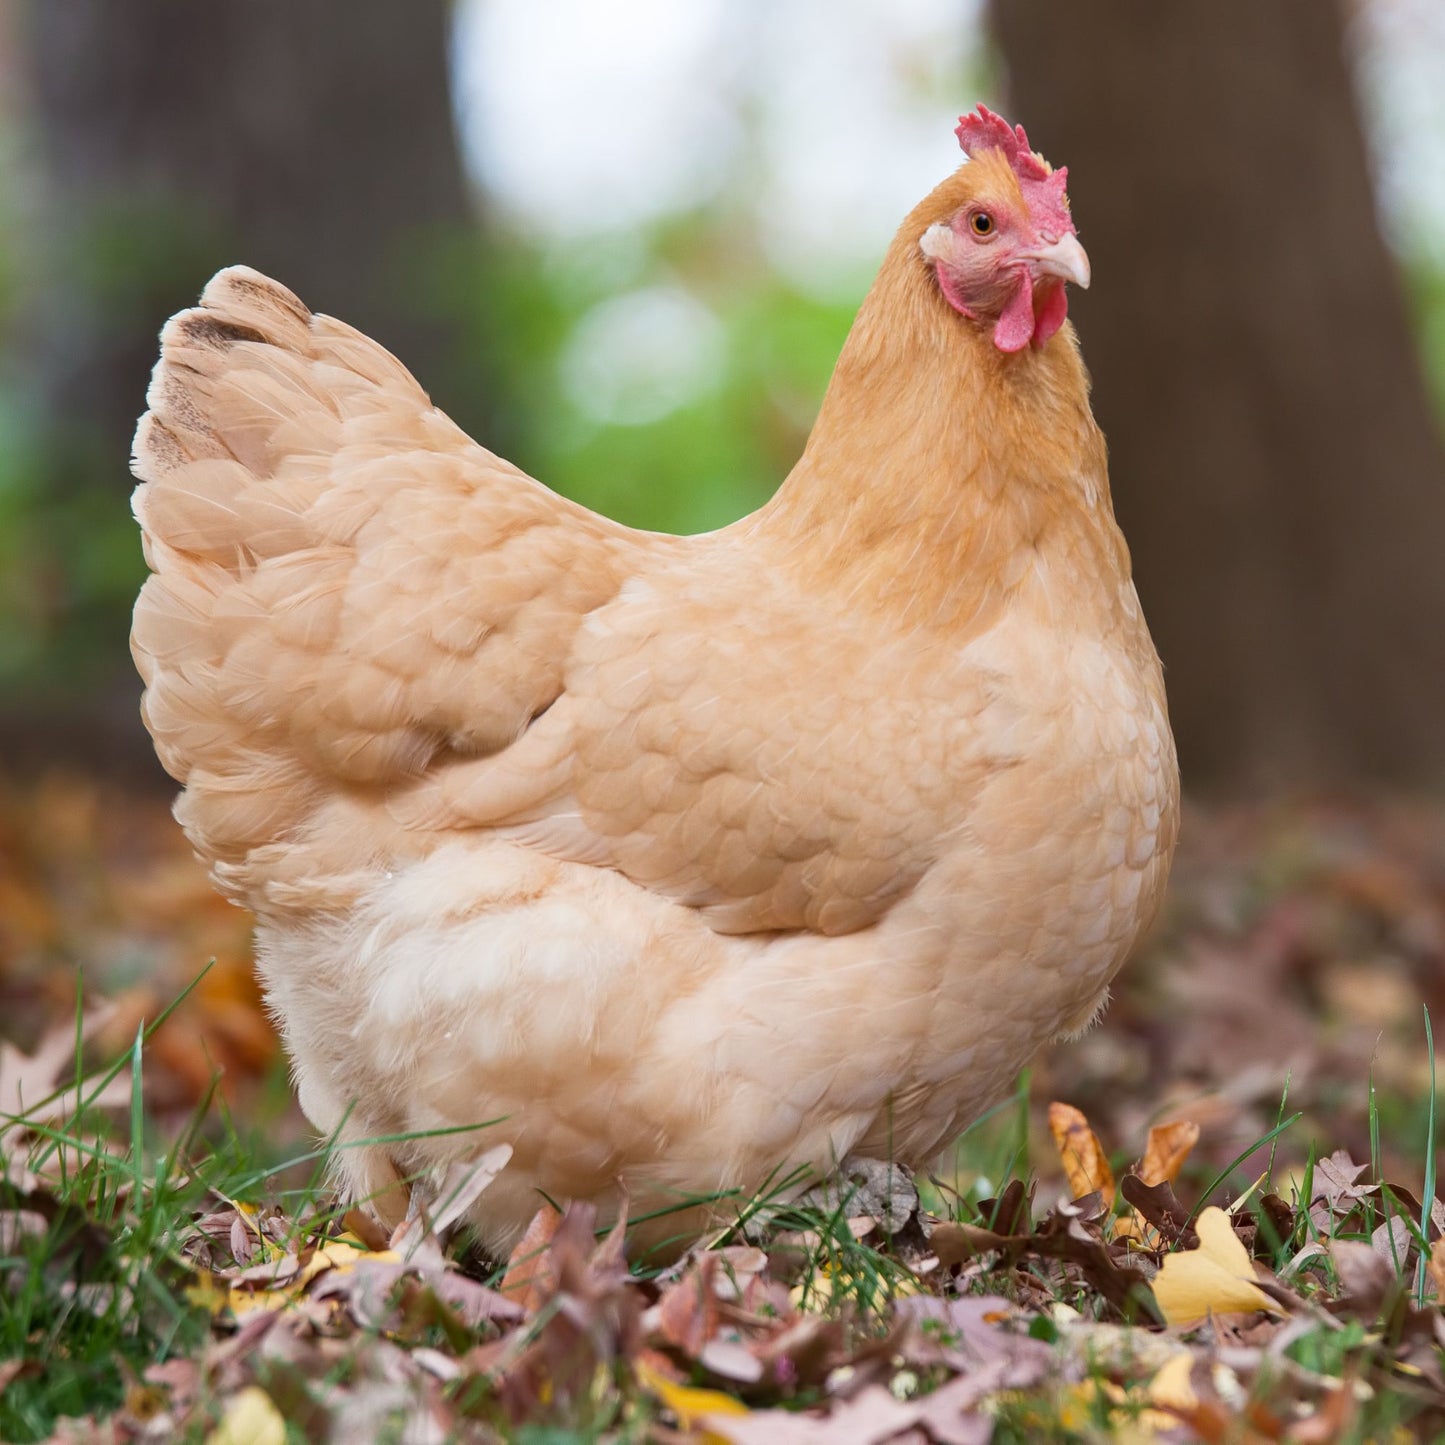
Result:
<point x="939" y="246"/>
<point x="938" y="242"/>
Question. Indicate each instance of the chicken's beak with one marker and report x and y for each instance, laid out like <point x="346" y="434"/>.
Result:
<point x="1065" y="259"/>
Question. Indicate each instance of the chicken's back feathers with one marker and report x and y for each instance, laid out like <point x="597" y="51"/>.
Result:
<point x="346" y="586"/>
<point x="353" y="601"/>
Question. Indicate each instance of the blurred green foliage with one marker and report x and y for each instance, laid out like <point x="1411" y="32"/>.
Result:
<point x="70" y="561"/>
<point x="711" y="459"/>
<point x="1425" y="285"/>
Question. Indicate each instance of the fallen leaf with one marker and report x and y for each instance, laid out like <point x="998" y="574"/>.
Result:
<point x="462" y="1185"/>
<point x="1068" y="1233"/>
<point x="1437" y="1266"/>
<point x="957" y="1242"/>
<point x="1168" y="1147"/>
<point x="1153" y="1205"/>
<point x="687" y="1315"/>
<point x="1217" y="1278"/>
<point x="206" y="1294"/>
<point x="1365" y="1274"/>
<point x="1170" y="1388"/>
<point x="250" y="1419"/>
<point x="1337" y="1181"/>
<point x="830" y="1285"/>
<point x="688" y="1403"/>
<point x="13" y="1370"/>
<point x="870" y="1417"/>
<point x="531" y="1276"/>
<point x="877" y="1189"/>
<point x="368" y="1289"/>
<point x="731" y="1360"/>
<point x="1085" y="1165"/>
<point x="39" y="1088"/>
<point x="1392" y="1241"/>
<point x="1012" y="1211"/>
<point x="365" y="1228"/>
<point x="292" y="1275"/>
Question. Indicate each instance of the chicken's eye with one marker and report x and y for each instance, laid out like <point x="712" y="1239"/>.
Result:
<point x="982" y="223"/>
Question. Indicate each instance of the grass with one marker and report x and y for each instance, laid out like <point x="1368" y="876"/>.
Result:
<point x="117" y="1304"/>
<point x="103" y="1291"/>
<point x="107" y="1289"/>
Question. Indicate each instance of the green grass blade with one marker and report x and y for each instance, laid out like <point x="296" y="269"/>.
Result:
<point x="1237" y="1161"/>
<point x="1427" y="1199"/>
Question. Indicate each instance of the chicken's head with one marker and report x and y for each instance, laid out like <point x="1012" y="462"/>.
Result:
<point x="1008" y="245"/>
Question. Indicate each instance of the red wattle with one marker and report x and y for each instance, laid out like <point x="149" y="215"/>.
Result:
<point x="1015" y="327"/>
<point x="1053" y="308"/>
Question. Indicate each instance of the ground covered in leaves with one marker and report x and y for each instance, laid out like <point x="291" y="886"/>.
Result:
<point x="1213" y="1218"/>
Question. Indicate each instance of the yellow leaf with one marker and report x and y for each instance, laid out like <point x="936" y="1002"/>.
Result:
<point x="249" y="1302"/>
<point x="686" y="1402"/>
<point x="1217" y="1278"/>
<point x="1085" y="1165"/>
<point x="1170" y="1386"/>
<point x="206" y="1294"/>
<point x="1078" y="1410"/>
<point x="339" y="1255"/>
<point x="1132" y="1226"/>
<point x="250" y="1419"/>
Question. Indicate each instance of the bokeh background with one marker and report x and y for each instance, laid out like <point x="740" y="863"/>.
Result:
<point x="622" y="244"/>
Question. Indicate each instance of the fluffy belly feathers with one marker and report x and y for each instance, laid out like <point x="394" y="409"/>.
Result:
<point x="613" y="1039"/>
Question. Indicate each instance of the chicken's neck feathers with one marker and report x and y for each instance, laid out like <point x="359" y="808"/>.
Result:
<point x="939" y="467"/>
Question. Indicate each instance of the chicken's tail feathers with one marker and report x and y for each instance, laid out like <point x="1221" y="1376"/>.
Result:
<point x="251" y="382"/>
<point x="344" y="584"/>
<point x="239" y="305"/>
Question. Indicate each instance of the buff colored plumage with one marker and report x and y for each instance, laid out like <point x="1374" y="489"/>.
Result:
<point x="686" y="859"/>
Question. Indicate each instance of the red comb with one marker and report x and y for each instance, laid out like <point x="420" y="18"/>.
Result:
<point x="987" y="131"/>
<point x="1043" y="189"/>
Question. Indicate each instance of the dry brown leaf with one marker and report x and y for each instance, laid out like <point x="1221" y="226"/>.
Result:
<point x="870" y="1416"/>
<point x="688" y="1313"/>
<point x="531" y="1276"/>
<point x="1337" y="1182"/>
<point x="1365" y="1275"/>
<point x="1168" y="1147"/>
<point x="1436" y="1266"/>
<point x="365" y="1228"/>
<point x="30" y="1084"/>
<point x="1085" y="1164"/>
<point x="1392" y="1240"/>
<point x="1152" y="1207"/>
<point x="464" y="1182"/>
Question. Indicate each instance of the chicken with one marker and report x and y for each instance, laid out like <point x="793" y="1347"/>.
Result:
<point x="676" y="864"/>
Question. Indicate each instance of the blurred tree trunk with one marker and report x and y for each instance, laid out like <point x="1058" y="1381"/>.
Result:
<point x="1275" y="461"/>
<point x="312" y="139"/>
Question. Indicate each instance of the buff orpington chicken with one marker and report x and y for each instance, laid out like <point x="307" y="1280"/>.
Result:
<point x="678" y="863"/>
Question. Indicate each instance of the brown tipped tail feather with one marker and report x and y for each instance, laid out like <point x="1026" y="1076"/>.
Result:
<point x="344" y="583"/>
